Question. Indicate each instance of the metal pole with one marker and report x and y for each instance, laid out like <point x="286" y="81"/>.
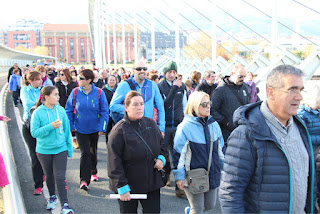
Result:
<point x="177" y="45"/>
<point x="114" y="41"/>
<point x="274" y="31"/>
<point x="123" y="41"/>
<point x="103" y="37"/>
<point x="214" y="35"/>
<point x="136" y="57"/>
<point x="153" y="44"/>
<point x="108" y="40"/>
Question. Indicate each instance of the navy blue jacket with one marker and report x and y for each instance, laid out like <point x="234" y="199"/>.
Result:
<point x="257" y="173"/>
<point x="312" y="120"/>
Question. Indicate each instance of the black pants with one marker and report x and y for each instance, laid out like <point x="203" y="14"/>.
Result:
<point x="55" y="167"/>
<point x="15" y="95"/>
<point x="88" y="161"/>
<point x="109" y="127"/>
<point x="168" y="141"/>
<point x="37" y="172"/>
<point x="149" y="205"/>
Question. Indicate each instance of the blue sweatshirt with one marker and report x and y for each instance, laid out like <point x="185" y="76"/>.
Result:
<point x="14" y="82"/>
<point x="50" y="140"/>
<point x="90" y="116"/>
<point x="29" y="97"/>
<point x="151" y="95"/>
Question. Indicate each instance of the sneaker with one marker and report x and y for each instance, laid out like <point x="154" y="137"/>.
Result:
<point x="66" y="209"/>
<point x="84" y="186"/>
<point x="180" y="193"/>
<point x="38" y="191"/>
<point x="52" y="202"/>
<point x="94" y="178"/>
<point x="75" y="144"/>
<point x="187" y="210"/>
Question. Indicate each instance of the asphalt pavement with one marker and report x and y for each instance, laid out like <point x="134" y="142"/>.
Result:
<point x="96" y="200"/>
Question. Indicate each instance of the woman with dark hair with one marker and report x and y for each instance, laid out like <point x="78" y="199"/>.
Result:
<point x="88" y="111"/>
<point x="109" y="90"/>
<point x="29" y="95"/>
<point x="50" y="126"/>
<point x="195" y="77"/>
<point x="65" y="85"/>
<point x="135" y="158"/>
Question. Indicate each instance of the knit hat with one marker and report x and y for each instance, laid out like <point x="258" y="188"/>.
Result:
<point x="171" y="65"/>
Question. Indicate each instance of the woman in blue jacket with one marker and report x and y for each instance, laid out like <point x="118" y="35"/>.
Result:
<point x="192" y="144"/>
<point x="15" y="85"/>
<point x="50" y="126"/>
<point x="29" y="96"/>
<point x="88" y="111"/>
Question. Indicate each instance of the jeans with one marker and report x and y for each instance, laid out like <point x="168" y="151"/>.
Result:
<point x="201" y="202"/>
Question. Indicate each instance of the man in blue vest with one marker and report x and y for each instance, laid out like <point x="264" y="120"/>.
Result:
<point x="174" y="94"/>
<point x="149" y="91"/>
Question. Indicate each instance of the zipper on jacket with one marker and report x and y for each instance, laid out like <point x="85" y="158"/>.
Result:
<point x="312" y="165"/>
<point x="173" y="113"/>
<point x="290" y="205"/>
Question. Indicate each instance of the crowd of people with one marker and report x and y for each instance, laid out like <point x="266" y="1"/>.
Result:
<point x="212" y="132"/>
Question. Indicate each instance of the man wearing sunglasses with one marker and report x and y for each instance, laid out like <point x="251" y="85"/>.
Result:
<point x="149" y="90"/>
<point x="269" y="164"/>
<point x="231" y="93"/>
<point x="174" y="94"/>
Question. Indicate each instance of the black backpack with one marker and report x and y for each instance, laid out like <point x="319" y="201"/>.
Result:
<point x="27" y="122"/>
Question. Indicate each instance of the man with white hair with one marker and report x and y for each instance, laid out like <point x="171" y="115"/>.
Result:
<point x="149" y="91"/>
<point x="104" y="76"/>
<point x="97" y="81"/>
<point x="227" y="97"/>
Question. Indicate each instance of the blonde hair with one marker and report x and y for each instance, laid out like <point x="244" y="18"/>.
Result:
<point x="312" y="96"/>
<point x="193" y="104"/>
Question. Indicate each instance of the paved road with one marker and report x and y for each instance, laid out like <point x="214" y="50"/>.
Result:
<point x="96" y="200"/>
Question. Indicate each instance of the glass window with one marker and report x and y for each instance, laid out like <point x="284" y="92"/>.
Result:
<point x="71" y="49"/>
<point x="61" y="48"/>
<point x="82" y="48"/>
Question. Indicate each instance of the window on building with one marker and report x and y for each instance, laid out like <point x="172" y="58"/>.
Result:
<point x="71" y="49"/>
<point x="50" y="51"/>
<point x="82" y="48"/>
<point x="61" y="48"/>
<point x="21" y="36"/>
<point x="49" y="40"/>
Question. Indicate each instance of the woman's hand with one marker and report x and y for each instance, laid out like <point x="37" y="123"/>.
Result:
<point x="56" y="124"/>
<point x="125" y="197"/>
<point x="6" y="119"/>
<point x="180" y="184"/>
<point x="74" y="130"/>
<point x="158" y="165"/>
<point x="100" y="133"/>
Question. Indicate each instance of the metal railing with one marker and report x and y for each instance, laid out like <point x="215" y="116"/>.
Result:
<point x="12" y="195"/>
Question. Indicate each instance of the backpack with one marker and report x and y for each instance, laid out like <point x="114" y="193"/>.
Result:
<point x="28" y="121"/>
<point x="116" y="117"/>
<point x="75" y="91"/>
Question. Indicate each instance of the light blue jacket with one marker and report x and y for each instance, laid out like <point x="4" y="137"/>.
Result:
<point x="50" y="140"/>
<point x="152" y="98"/>
<point x="29" y="97"/>
<point x="47" y="82"/>
<point x="14" y="82"/>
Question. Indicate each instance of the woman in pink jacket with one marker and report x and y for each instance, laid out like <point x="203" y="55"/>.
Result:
<point x="3" y="173"/>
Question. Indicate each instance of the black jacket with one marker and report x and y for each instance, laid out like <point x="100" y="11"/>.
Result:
<point x="11" y="72"/>
<point x="64" y="91"/>
<point x="108" y="92"/>
<point x="173" y="98"/>
<point x="205" y="87"/>
<point x="99" y="83"/>
<point x="129" y="160"/>
<point x="225" y="102"/>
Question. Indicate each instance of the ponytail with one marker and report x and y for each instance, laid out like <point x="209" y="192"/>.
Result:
<point x="40" y="101"/>
<point x="25" y="81"/>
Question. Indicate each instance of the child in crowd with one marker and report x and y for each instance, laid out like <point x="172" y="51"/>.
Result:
<point x="15" y="85"/>
<point x="3" y="173"/>
<point x="50" y="126"/>
<point x="188" y="84"/>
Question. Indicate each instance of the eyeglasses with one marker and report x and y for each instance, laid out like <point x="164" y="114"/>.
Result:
<point x="205" y="104"/>
<point x="82" y="78"/>
<point x="293" y="92"/>
<point x="61" y="74"/>
<point x="141" y="68"/>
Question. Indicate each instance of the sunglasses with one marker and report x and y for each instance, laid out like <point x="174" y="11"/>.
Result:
<point x="205" y="104"/>
<point x="141" y="68"/>
<point x="83" y="78"/>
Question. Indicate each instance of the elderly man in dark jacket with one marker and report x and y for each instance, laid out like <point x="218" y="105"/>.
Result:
<point x="269" y="165"/>
<point x="227" y="97"/>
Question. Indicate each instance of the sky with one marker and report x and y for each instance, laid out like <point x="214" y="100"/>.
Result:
<point x="76" y="11"/>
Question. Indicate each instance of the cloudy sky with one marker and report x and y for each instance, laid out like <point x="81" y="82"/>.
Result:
<point x="76" y="11"/>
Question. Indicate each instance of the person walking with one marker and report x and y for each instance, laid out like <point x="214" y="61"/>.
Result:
<point x="4" y="181"/>
<point x="88" y="113"/>
<point x="65" y="85"/>
<point x="50" y="126"/>
<point x="15" y="86"/>
<point x="30" y="94"/>
<point x="136" y="155"/>
<point x="45" y="79"/>
<point x="196" y="136"/>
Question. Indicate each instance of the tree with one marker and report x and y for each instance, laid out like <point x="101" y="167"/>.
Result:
<point x="41" y="50"/>
<point x="21" y="48"/>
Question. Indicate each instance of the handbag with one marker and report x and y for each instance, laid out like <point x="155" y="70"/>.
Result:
<point x="164" y="177"/>
<point x="197" y="180"/>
